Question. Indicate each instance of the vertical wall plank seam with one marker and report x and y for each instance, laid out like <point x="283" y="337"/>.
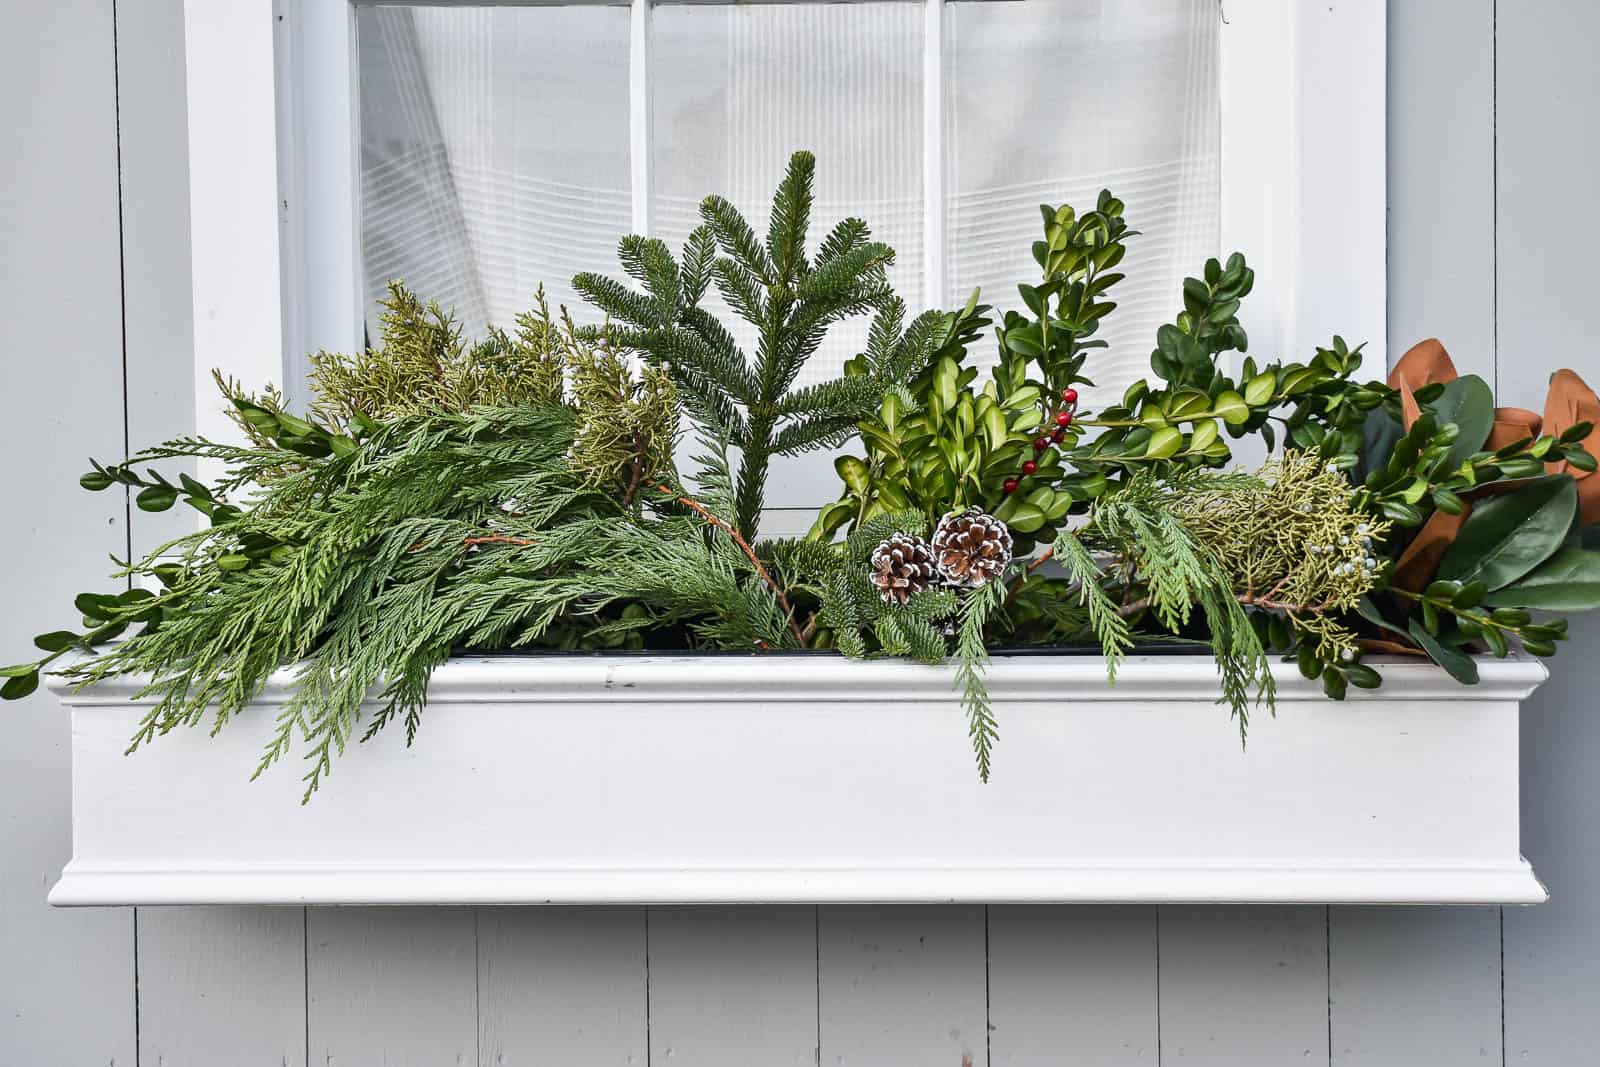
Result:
<point x="649" y="1038"/>
<point x="477" y="990"/>
<point x="1158" y="984"/>
<point x="816" y="948"/>
<point x="305" y="976"/>
<point x="1327" y="961"/>
<point x="1502" y="911"/>
<point x="122" y="286"/>
<point x="122" y="323"/>
<point x="1494" y="341"/>
<point x="988" y="1015"/>
<point x="1494" y="223"/>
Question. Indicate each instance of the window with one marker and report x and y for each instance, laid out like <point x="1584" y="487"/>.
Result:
<point x="479" y="151"/>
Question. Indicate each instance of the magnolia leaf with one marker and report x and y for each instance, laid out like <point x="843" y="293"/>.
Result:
<point x="1506" y="537"/>
<point x="1567" y="581"/>
<point x="1369" y="611"/>
<point x="1467" y="402"/>
<point x="1456" y="663"/>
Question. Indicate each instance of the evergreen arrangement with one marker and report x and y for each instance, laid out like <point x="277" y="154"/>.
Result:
<point x="443" y="496"/>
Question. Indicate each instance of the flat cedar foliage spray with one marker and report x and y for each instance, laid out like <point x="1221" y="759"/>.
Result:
<point x="519" y="491"/>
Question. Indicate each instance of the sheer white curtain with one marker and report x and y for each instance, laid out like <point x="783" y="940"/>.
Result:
<point x="1050" y="101"/>
<point x="494" y="151"/>
<point x="495" y="141"/>
<point x="738" y="88"/>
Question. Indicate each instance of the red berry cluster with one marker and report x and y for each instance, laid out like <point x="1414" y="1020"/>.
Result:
<point x="1062" y="419"/>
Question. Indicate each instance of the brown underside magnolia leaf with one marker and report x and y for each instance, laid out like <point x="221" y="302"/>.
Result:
<point x="1424" y="363"/>
<point x="1393" y="648"/>
<point x="1571" y="401"/>
<point x="1512" y="425"/>
<point x="1409" y="408"/>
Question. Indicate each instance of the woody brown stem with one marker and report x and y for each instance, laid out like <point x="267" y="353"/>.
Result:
<point x="750" y="553"/>
<point x="497" y="539"/>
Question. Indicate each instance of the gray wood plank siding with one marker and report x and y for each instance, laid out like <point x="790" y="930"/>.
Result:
<point x="1491" y="227"/>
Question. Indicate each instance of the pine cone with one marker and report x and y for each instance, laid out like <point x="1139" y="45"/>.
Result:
<point x="971" y="547"/>
<point x="902" y="565"/>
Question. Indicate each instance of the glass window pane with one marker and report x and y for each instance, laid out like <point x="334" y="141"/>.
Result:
<point x="494" y="152"/>
<point x="737" y="88"/>
<point x="1052" y="100"/>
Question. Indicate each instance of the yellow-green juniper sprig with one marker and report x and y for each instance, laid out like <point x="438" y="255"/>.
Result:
<point x="1294" y="543"/>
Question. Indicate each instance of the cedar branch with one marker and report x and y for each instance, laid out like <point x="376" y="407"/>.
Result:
<point x="744" y="546"/>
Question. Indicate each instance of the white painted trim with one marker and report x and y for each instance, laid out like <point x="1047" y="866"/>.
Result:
<point x="933" y="200"/>
<point x="713" y="779"/>
<point x="233" y="201"/>
<point x="640" y="123"/>
<point x="1303" y="149"/>
<point x="88" y="885"/>
<point x="808" y="678"/>
<point x="319" y="176"/>
<point x="1303" y="176"/>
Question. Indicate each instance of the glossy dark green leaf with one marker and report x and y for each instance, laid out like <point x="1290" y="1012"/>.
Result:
<point x="1456" y="663"/>
<point x="55" y="641"/>
<point x="95" y="606"/>
<point x="1307" y="661"/>
<point x="1379" y="433"/>
<point x="1362" y="676"/>
<point x="94" y="481"/>
<point x="1369" y="611"/>
<point x="19" y="686"/>
<point x="1468" y="402"/>
<point x="1567" y="581"/>
<point x="156" y="498"/>
<point x="1507" y="536"/>
<point x="194" y="488"/>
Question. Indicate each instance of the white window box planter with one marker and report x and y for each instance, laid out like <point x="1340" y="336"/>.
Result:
<point x="812" y="778"/>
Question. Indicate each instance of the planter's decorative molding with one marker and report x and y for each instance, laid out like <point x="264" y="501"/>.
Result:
<point x="814" y="778"/>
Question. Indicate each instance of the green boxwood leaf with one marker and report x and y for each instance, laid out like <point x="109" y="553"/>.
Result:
<point x="1232" y="408"/>
<point x="19" y="670"/>
<point x="1026" y="518"/>
<point x="1508" y="536"/>
<point x="96" y="606"/>
<point x="1567" y="581"/>
<point x="1260" y="389"/>
<point x="156" y="498"/>
<point x="1456" y="663"/>
<point x="55" y="641"/>
<point x="1164" y="442"/>
<point x="19" y="686"/>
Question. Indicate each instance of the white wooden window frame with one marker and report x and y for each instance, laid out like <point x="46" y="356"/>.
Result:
<point x="273" y="175"/>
